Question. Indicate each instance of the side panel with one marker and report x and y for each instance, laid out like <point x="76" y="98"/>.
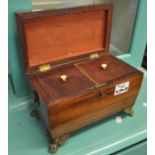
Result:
<point x="41" y="108"/>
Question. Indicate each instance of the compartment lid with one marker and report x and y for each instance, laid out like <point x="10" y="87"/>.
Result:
<point x="54" y="35"/>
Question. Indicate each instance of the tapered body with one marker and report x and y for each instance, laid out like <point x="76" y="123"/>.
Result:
<point x="75" y="80"/>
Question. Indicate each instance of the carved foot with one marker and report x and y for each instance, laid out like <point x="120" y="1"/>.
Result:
<point x="129" y="111"/>
<point x="35" y="114"/>
<point x="62" y="139"/>
<point x="57" y="142"/>
<point x="53" y="147"/>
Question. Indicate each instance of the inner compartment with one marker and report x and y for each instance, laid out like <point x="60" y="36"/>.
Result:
<point x="76" y="83"/>
<point x="52" y="38"/>
<point x="115" y="68"/>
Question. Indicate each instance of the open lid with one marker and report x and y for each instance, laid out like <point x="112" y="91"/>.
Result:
<point x="54" y="35"/>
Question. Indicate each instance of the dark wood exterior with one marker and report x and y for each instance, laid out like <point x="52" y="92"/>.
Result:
<point x="66" y="39"/>
<point x="70" y="103"/>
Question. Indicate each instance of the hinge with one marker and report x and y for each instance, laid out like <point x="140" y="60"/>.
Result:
<point x="45" y="67"/>
<point x="94" y="56"/>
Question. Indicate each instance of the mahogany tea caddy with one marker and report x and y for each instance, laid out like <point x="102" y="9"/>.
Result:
<point x="75" y="81"/>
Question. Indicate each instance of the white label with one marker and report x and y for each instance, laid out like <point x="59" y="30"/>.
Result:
<point x="121" y="88"/>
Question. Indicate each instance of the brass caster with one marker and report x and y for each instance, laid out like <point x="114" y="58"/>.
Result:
<point x="129" y="111"/>
<point x="53" y="148"/>
<point x="35" y="114"/>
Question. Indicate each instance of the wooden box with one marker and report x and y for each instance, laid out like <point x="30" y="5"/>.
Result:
<point x="75" y="80"/>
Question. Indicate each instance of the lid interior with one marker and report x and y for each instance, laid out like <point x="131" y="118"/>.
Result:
<point x="51" y="37"/>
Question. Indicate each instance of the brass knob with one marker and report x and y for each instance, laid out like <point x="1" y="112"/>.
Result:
<point x="104" y="66"/>
<point x="63" y="78"/>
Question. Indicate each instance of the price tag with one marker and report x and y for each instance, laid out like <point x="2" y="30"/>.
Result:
<point x="121" y="88"/>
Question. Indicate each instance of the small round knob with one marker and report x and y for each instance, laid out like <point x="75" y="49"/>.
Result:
<point x="63" y="78"/>
<point x="104" y="66"/>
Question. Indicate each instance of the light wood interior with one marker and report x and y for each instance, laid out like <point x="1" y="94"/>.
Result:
<point x="58" y="37"/>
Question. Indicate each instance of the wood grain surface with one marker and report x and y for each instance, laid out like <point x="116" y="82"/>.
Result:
<point x="77" y="102"/>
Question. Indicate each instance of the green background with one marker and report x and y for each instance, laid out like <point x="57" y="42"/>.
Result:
<point x="26" y="135"/>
